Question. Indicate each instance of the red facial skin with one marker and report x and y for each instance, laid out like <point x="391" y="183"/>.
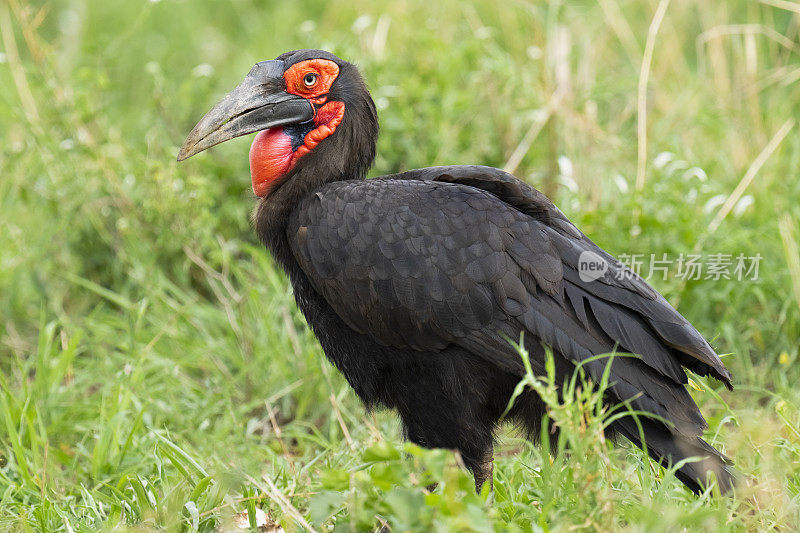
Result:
<point x="271" y="155"/>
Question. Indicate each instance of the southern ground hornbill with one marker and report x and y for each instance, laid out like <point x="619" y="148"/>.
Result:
<point x="415" y="282"/>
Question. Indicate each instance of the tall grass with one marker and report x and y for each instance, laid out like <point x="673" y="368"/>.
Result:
<point x="154" y="373"/>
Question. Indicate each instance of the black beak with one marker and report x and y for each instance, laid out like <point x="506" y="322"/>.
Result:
<point x="258" y="103"/>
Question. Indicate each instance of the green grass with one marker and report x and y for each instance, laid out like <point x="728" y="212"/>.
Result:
<point x="154" y="372"/>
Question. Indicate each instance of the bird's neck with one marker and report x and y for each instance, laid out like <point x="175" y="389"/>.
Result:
<point x="346" y="155"/>
<point x="272" y="214"/>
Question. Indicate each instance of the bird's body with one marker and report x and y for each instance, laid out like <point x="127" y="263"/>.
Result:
<point x="415" y="284"/>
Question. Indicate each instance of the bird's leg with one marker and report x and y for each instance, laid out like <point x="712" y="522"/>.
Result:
<point x="483" y="470"/>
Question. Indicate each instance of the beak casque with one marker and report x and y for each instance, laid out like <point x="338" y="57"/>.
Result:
<point x="260" y="102"/>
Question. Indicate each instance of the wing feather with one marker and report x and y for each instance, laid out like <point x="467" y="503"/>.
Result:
<point x="472" y="256"/>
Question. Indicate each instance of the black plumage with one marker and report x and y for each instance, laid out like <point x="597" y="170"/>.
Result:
<point x="414" y="282"/>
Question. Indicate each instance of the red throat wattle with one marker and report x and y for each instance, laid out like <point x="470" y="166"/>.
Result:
<point x="271" y="154"/>
<point x="270" y="158"/>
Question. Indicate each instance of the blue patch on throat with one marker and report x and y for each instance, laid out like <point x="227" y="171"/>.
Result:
<point x="297" y="133"/>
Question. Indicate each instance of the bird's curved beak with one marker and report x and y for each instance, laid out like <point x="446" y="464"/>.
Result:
<point x="260" y="102"/>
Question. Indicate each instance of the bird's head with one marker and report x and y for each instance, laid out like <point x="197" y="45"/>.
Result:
<point x="310" y="109"/>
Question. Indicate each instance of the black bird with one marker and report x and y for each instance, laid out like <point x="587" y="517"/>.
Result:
<point x="414" y="282"/>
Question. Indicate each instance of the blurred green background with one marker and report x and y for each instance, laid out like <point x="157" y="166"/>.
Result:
<point x="155" y="373"/>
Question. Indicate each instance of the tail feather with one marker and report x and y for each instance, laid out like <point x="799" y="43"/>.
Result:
<point x="669" y="449"/>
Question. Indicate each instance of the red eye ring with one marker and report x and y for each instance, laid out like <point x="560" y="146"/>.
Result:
<point x="311" y="78"/>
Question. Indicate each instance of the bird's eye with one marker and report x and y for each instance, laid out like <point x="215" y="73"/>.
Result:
<point x="310" y="79"/>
